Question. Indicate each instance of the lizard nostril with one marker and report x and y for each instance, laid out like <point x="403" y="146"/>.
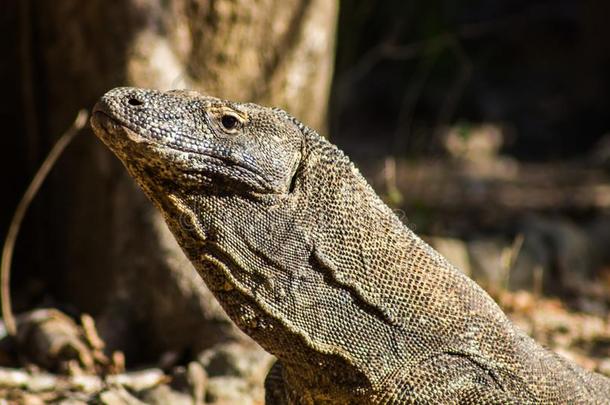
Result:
<point x="134" y="101"/>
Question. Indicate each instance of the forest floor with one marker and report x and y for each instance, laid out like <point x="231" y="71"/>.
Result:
<point x="579" y="336"/>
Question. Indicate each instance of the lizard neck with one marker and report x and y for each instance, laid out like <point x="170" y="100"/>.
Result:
<point x="328" y="278"/>
<point x="398" y="295"/>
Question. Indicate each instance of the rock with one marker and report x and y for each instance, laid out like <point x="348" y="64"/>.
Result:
<point x="562" y="250"/>
<point x="555" y="256"/>
<point x="30" y="399"/>
<point x="198" y="381"/>
<point x="52" y="339"/>
<point x="236" y="373"/>
<point x="604" y="367"/>
<point x="238" y="360"/>
<point x="118" y="396"/>
<point x="486" y="261"/>
<point x="71" y="401"/>
<point x="477" y="143"/>
<point x="232" y="390"/>
<point x="192" y="380"/>
<point x="163" y="394"/>
<point x="87" y="383"/>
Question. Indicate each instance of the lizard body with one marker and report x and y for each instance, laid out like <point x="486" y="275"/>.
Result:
<point x="307" y="260"/>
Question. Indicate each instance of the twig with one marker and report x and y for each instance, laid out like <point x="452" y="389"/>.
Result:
<point x="509" y="258"/>
<point x="93" y="338"/>
<point x="28" y="196"/>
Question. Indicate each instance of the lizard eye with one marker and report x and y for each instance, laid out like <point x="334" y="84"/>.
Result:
<point x="230" y="122"/>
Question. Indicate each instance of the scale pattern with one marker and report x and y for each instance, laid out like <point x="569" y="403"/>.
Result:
<point x="307" y="260"/>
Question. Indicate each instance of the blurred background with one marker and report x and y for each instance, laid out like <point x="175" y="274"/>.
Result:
<point x="485" y="125"/>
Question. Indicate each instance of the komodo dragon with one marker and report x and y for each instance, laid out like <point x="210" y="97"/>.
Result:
<point x="307" y="260"/>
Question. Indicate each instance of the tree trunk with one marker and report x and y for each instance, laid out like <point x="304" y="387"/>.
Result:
<point x="106" y="251"/>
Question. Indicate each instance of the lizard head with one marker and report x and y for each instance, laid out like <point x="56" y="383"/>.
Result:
<point x="257" y="201"/>
<point x="181" y="139"/>
<point x="235" y="183"/>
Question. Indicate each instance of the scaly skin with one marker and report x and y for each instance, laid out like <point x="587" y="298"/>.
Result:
<point x="308" y="261"/>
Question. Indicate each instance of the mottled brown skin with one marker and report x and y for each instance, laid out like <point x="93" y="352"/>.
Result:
<point x="308" y="261"/>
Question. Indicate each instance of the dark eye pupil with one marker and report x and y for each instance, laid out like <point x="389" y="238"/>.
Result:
<point x="229" y="121"/>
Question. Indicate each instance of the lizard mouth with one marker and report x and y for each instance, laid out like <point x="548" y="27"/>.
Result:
<point x="102" y="121"/>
